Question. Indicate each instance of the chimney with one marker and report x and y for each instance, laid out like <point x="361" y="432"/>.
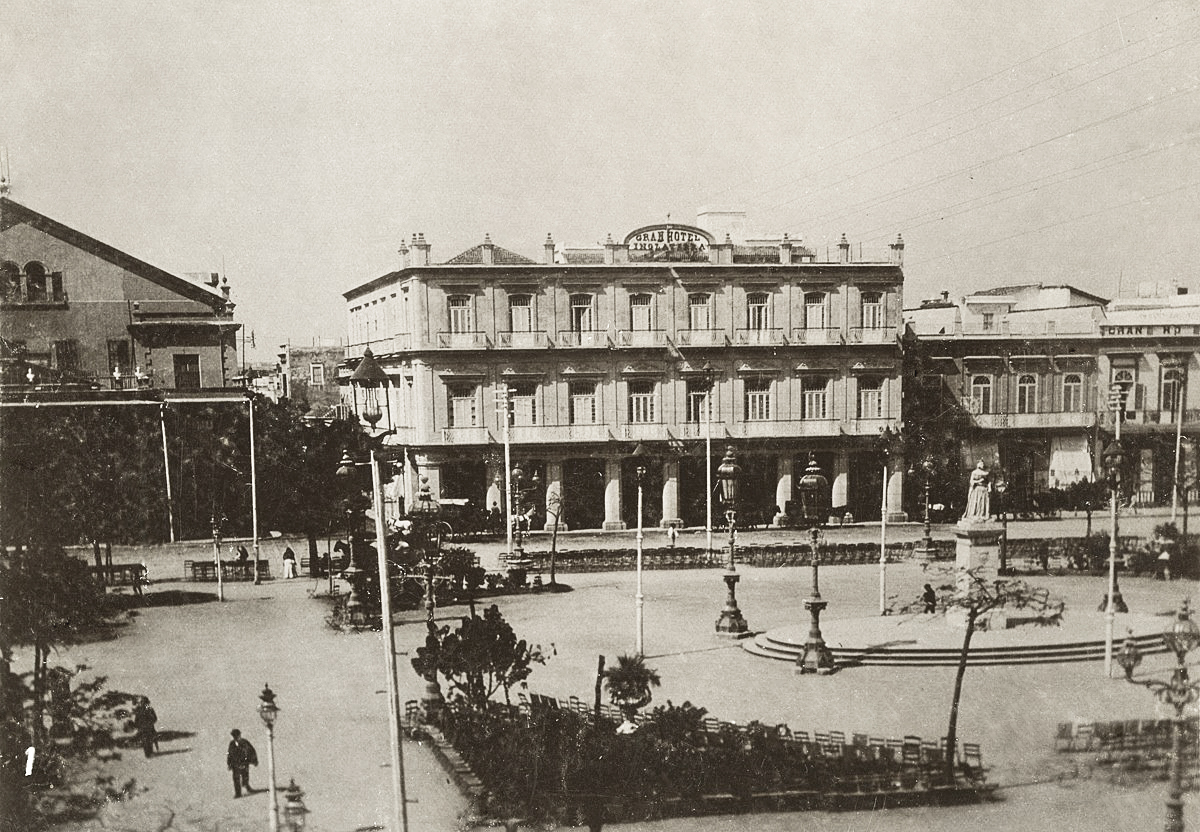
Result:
<point x="843" y="250"/>
<point x="785" y="250"/>
<point x="404" y="258"/>
<point x="422" y="250"/>
<point x="610" y="249"/>
<point x="488" y="251"/>
<point x="225" y="287"/>
<point x="945" y="296"/>
<point x="898" y="251"/>
<point x="548" y="251"/>
<point x="1181" y="290"/>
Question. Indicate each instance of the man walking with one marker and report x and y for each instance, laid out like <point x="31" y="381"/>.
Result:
<point x="145" y="722"/>
<point x="239" y="759"/>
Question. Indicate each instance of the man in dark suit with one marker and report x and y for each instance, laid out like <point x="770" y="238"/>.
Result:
<point x="239" y="759"/>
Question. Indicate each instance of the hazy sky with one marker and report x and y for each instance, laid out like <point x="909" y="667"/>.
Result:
<point x="295" y="144"/>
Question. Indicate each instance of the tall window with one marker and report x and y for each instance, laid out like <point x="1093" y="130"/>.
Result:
<point x="524" y="402"/>
<point x="814" y="310"/>
<point x="187" y="371"/>
<point x="641" y="401"/>
<point x="700" y="311"/>
<point x="870" y="397"/>
<point x="698" y="397"/>
<point x="583" y="402"/>
<point x="1126" y="379"/>
<point x="1027" y="394"/>
<point x="10" y="280"/>
<point x="520" y="317"/>
<point x="758" y="311"/>
<point x="464" y="407"/>
<point x="640" y="312"/>
<point x="582" y="317"/>
<point x="118" y="357"/>
<point x="35" y="281"/>
<point x="989" y="321"/>
<point x="872" y="310"/>
<point x="758" y="399"/>
<point x="64" y="356"/>
<point x="1172" y="387"/>
<point x="460" y="313"/>
<point x="1072" y="397"/>
<point x="813" y="399"/>
<point x="981" y="393"/>
<point x="316" y="375"/>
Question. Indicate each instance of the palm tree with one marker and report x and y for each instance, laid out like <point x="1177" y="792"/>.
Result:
<point x="629" y="686"/>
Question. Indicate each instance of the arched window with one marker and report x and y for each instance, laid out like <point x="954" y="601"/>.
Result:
<point x="35" y="281"/>
<point x="582" y="317"/>
<point x="1172" y="386"/>
<point x="520" y="313"/>
<point x="460" y="313"/>
<point x="700" y="311"/>
<point x="1027" y="393"/>
<point x="872" y="310"/>
<point x="10" y="280"/>
<point x="1072" y="398"/>
<point x="814" y="310"/>
<point x="758" y="311"/>
<point x="640" y="312"/>
<point x="1127" y="381"/>
<point x="981" y="394"/>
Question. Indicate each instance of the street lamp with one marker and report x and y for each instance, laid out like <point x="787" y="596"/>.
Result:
<point x="520" y="492"/>
<point x="816" y="657"/>
<point x="353" y="574"/>
<point x="216" y="533"/>
<point x="1001" y="485"/>
<point x="294" y="810"/>
<point x="638" y="452"/>
<point x="1181" y="637"/>
<point x="731" y="621"/>
<point x="269" y="712"/>
<point x="369" y="377"/>
<point x="1114" y="458"/>
<point x="708" y="485"/>
<point x="927" y="540"/>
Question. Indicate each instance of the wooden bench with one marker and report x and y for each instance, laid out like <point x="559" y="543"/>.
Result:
<point x="231" y="570"/>
<point x="121" y="574"/>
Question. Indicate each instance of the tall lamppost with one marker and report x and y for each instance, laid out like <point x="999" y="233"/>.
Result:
<point x="1114" y="458"/>
<point x="520" y="492"/>
<point x="640" y="599"/>
<point x="1001" y="486"/>
<point x="430" y="531"/>
<point x="816" y="657"/>
<point x="731" y="622"/>
<point x="216" y="533"/>
<point x="927" y="539"/>
<point x="269" y="712"/>
<point x="708" y="484"/>
<point x="1181" y="637"/>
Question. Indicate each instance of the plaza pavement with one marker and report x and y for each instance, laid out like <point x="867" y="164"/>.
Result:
<point x="203" y="665"/>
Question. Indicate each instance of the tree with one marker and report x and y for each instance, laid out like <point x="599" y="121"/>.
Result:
<point x="973" y="597"/>
<point x="628" y="685"/>
<point x="478" y="659"/>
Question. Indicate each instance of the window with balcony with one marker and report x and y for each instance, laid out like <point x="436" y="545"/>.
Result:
<point x="1072" y="393"/>
<point x="464" y="405"/>
<point x="520" y="313"/>
<point x="583" y="313"/>
<point x="1027" y="394"/>
<point x="187" y="371"/>
<point x="316" y="375"/>
<point x="119" y="358"/>
<point x="870" y="397"/>
<point x="814" y="402"/>
<point x="700" y="311"/>
<point x="1172" y="387"/>
<point x="814" y="310"/>
<point x="758" y="311"/>
<point x="757" y="399"/>
<point x="524" y="403"/>
<point x="64" y="356"/>
<point x="698" y="397"/>
<point x="461" y="319"/>
<point x="981" y="394"/>
<point x="640" y="313"/>
<point x="872" y="310"/>
<point x="641" y="401"/>
<point x="583" y="403"/>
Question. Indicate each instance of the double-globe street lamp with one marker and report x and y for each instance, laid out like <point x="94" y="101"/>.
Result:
<point x="731" y="622"/>
<point x="269" y="712"/>
<point x="1181" y="637"/>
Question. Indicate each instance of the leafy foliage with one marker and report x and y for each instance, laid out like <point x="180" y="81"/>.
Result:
<point x="630" y="681"/>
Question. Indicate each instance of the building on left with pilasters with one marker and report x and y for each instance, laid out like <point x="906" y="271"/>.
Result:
<point x="84" y="318"/>
<point x="638" y="353"/>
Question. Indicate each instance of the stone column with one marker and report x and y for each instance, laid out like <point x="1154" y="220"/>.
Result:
<point x="841" y="480"/>
<point x="895" y="492"/>
<point x="670" y="494"/>
<point x="612" y="495"/>
<point x="554" y="498"/>
<point x="784" y="471"/>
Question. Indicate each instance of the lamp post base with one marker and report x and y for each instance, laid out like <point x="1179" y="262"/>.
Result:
<point x="731" y="622"/>
<point x="431" y="703"/>
<point x="817" y="657"/>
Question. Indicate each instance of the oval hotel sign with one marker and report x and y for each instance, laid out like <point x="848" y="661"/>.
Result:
<point x="667" y="239"/>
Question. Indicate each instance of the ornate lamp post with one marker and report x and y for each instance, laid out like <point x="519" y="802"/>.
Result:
<point x="269" y="712"/>
<point x="216" y="533"/>
<point x="816" y="657"/>
<point x="1001" y="486"/>
<point x="294" y="810"/>
<point x="708" y="486"/>
<point x="731" y="621"/>
<point x="927" y="539"/>
<point x="354" y="575"/>
<point x="1181" y="637"/>
<point x="1114" y="458"/>
<point x="639" y="598"/>
<point x="369" y="378"/>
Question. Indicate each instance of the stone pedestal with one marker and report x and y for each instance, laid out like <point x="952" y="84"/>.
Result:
<point x="976" y="559"/>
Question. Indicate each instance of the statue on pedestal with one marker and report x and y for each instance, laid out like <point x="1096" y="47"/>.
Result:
<point x="978" y="493"/>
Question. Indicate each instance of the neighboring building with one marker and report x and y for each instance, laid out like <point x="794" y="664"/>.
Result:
<point x="1033" y="366"/>
<point x="310" y="374"/>
<point x="605" y="351"/>
<point x="80" y="314"/>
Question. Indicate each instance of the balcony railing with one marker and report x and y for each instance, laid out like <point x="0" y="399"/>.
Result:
<point x="17" y="298"/>
<point x="1140" y="418"/>
<point x="1035" y="420"/>
<point x="542" y="434"/>
<point x="641" y="338"/>
<point x="696" y="430"/>
<point x="815" y="335"/>
<point x="866" y="427"/>
<point x="534" y="340"/>
<point x="780" y="428"/>
<point x="644" y="430"/>
<point x="873" y="335"/>
<point x="701" y="338"/>
<point x="462" y="340"/>
<point x="759" y="337"/>
<point x="463" y="436"/>
<point x="587" y="338"/>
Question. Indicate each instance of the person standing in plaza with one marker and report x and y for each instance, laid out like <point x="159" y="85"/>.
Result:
<point x="240" y="757"/>
<point x="145" y="722"/>
<point x="929" y="596"/>
<point x="289" y="563"/>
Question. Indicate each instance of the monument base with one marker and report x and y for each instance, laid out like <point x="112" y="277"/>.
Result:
<point x="976" y="561"/>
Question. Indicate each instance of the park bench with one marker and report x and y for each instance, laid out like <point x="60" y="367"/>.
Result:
<point x="121" y="574"/>
<point x="231" y="570"/>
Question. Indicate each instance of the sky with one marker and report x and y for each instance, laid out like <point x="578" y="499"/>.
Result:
<point x="294" y="145"/>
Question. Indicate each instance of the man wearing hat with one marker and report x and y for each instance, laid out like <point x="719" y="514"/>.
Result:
<point x="239" y="759"/>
